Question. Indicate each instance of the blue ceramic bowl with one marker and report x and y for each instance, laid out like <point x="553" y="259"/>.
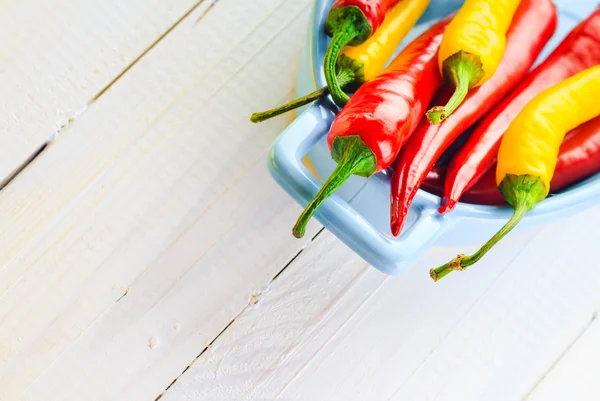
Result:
<point x="359" y="213"/>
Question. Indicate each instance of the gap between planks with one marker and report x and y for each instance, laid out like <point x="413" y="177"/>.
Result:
<point x="65" y="126"/>
<point x="254" y="299"/>
<point x="153" y="45"/>
<point x="29" y="161"/>
<point x="561" y="356"/>
<point x="282" y="262"/>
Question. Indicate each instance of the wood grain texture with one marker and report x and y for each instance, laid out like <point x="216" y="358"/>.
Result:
<point x="574" y="376"/>
<point x="152" y="222"/>
<point x="58" y="54"/>
<point x="138" y="251"/>
<point x="329" y="328"/>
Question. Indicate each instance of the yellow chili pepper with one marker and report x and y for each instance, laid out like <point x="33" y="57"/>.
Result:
<point x="362" y="63"/>
<point x="472" y="48"/>
<point x="373" y="55"/>
<point x="529" y="150"/>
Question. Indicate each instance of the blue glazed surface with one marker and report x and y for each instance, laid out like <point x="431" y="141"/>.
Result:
<point x="359" y="213"/>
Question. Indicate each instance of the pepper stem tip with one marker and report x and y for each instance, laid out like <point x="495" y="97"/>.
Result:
<point x="523" y="192"/>
<point x="344" y="77"/>
<point x="442" y="271"/>
<point x="436" y="115"/>
<point x="352" y="157"/>
<point x="294" y="104"/>
<point x="464" y="71"/>
<point x="258" y="117"/>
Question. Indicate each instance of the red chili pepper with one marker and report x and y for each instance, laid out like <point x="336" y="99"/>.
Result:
<point x="579" y="158"/>
<point x="369" y="131"/>
<point x="350" y="22"/>
<point x="578" y="51"/>
<point x="525" y="41"/>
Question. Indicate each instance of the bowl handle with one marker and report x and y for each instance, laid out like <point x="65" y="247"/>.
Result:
<point x="390" y="255"/>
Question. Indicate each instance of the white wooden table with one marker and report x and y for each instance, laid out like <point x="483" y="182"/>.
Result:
<point x="146" y="253"/>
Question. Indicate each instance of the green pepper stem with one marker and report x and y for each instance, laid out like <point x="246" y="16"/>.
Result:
<point x="294" y="104"/>
<point x="344" y="77"/>
<point x="461" y="262"/>
<point x="521" y="191"/>
<point x="438" y="114"/>
<point x="343" y="35"/>
<point x="353" y="157"/>
<point x="464" y="71"/>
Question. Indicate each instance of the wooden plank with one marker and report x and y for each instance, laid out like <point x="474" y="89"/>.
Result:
<point x="140" y="234"/>
<point x="331" y="329"/>
<point x="58" y="54"/>
<point x="574" y="376"/>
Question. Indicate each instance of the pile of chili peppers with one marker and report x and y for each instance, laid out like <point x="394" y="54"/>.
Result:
<point x="530" y="132"/>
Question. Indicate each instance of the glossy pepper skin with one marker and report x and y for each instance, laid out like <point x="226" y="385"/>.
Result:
<point x="531" y="144"/>
<point x="362" y="63"/>
<point x="428" y="142"/>
<point x="472" y="49"/>
<point x="529" y="150"/>
<point x="367" y="134"/>
<point x="375" y="52"/>
<point x="350" y="22"/>
<point x="372" y="12"/>
<point x="578" y="158"/>
<point x="578" y="51"/>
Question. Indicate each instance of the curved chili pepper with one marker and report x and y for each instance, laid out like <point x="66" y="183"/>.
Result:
<point x="369" y="131"/>
<point x="472" y="49"/>
<point x="428" y="142"/>
<point x="362" y="63"/>
<point x="527" y="155"/>
<point x="578" y="51"/>
<point x="350" y="22"/>
<point x="578" y="158"/>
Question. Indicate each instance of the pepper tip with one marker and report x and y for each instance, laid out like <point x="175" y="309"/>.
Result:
<point x="397" y="221"/>
<point x="447" y="206"/>
<point x="396" y="229"/>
